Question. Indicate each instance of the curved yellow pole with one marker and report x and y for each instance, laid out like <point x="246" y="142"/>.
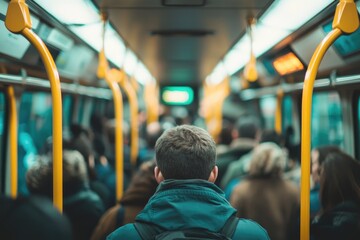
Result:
<point x="306" y="130"/>
<point x="278" y="111"/>
<point x="131" y="94"/>
<point x="111" y="79"/>
<point x="18" y="21"/>
<point x="13" y="122"/>
<point x="345" y="20"/>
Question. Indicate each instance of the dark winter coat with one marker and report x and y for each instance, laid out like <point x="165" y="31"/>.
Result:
<point x="342" y="222"/>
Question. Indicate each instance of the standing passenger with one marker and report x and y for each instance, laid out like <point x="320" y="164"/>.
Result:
<point x="265" y="197"/>
<point x="142" y="187"/>
<point x="340" y="199"/>
<point x="187" y="197"/>
<point x="318" y="156"/>
<point x="82" y="206"/>
<point x="246" y="137"/>
<point x="32" y="218"/>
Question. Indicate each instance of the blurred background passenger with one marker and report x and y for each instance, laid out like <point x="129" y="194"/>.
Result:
<point x="293" y="167"/>
<point x="105" y="169"/>
<point x="153" y="132"/>
<point x="245" y="138"/>
<point x="340" y="199"/>
<point x="141" y="188"/>
<point x="225" y="137"/>
<point x="240" y="168"/>
<point x="265" y="197"/>
<point x="32" y="218"/>
<point x="81" y="141"/>
<point x="318" y="156"/>
<point x="82" y="206"/>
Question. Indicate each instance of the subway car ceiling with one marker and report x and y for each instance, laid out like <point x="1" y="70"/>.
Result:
<point x="179" y="42"/>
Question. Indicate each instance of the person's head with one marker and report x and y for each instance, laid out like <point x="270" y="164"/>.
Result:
<point x="185" y="152"/>
<point x="247" y="127"/>
<point x="111" y="127"/>
<point x="153" y="132"/>
<point x="270" y="135"/>
<point x="318" y="156"/>
<point x="81" y="142"/>
<point x="268" y="160"/>
<point x="39" y="177"/>
<point x="339" y="180"/>
<point x="225" y="136"/>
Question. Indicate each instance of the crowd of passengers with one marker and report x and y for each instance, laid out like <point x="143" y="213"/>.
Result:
<point x="248" y="178"/>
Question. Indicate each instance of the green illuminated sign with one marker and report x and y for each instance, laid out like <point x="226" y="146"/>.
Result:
<point x="177" y="95"/>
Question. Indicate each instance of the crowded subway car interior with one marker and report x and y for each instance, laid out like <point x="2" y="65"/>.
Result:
<point x="104" y="79"/>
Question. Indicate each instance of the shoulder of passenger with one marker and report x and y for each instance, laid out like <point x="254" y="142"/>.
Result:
<point x="248" y="229"/>
<point x="125" y="232"/>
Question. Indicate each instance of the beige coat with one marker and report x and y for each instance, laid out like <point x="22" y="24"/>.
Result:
<point x="272" y="202"/>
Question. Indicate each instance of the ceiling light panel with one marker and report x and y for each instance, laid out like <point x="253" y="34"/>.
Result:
<point x="280" y="20"/>
<point x="67" y="11"/>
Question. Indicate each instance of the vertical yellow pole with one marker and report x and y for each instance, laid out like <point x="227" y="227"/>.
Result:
<point x="151" y="95"/>
<point x="346" y="20"/>
<point x="111" y="78"/>
<point x="134" y="144"/>
<point x="278" y="111"/>
<point x="18" y="21"/>
<point x="13" y="122"/>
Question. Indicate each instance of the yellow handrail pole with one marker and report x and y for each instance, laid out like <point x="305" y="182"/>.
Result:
<point x="151" y="94"/>
<point x="305" y="130"/>
<point x="110" y="78"/>
<point x="346" y="20"/>
<point x="18" y="21"/>
<point x="278" y="111"/>
<point x="133" y="102"/>
<point x="13" y="122"/>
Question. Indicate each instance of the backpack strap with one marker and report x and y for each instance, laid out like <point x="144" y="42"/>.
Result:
<point x="146" y="230"/>
<point x="230" y="226"/>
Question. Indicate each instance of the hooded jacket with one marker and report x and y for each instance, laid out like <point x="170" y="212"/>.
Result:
<point x="184" y="204"/>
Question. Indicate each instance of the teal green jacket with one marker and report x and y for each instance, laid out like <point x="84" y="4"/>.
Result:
<point x="183" y="204"/>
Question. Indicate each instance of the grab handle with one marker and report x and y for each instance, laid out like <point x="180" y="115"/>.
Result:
<point x="18" y="21"/>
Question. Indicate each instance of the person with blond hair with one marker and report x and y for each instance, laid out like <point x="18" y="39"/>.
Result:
<point x="265" y="197"/>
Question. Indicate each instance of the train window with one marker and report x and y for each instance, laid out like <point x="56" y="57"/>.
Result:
<point x="326" y="120"/>
<point x="267" y="106"/>
<point x="35" y="130"/>
<point x="2" y="142"/>
<point x="358" y="128"/>
<point x="80" y="108"/>
<point x="287" y="109"/>
<point x="99" y="107"/>
<point x="86" y="111"/>
<point x="2" y="119"/>
<point x="67" y="115"/>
